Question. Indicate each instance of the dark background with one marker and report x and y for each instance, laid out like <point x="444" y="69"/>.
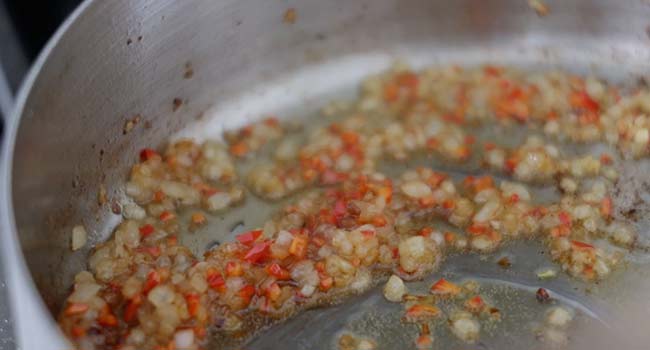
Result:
<point x="36" y="20"/>
<point x="25" y="27"/>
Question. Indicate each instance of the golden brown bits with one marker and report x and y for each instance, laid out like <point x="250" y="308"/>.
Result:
<point x="176" y="104"/>
<point x="542" y="295"/>
<point x="290" y="16"/>
<point x="504" y="262"/>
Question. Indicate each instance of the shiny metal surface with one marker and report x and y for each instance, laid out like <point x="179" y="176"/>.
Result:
<point x="115" y="59"/>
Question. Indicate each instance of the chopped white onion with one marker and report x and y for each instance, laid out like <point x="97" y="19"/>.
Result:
<point x="394" y="289"/>
<point x="184" y="339"/>
<point x="79" y="237"/>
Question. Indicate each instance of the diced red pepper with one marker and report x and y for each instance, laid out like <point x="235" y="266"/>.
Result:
<point x="449" y="204"/>
<point x="606" y="207"/>
<point x="339" y="208"/>
<point x="153" y="251"/>
<point x="146" y="230"/>
<point x="488" y="146"/>
<point x="379" y="221"/>
<point x="463" y="152"/>
<point x="588" y="118"/>
<point x="475" y="304"/>
<point x="514" y="105"/>
<point x="445" y="288"/>
<point x="234" y="269"/>
<point x="246" y="292"/>
<point x="107" y="320"/>
<point x="325" y="216"/>
<point x="335" y="128"/>
<point x="271" y="121"/>
<point x="331" y="177"/>
<point x="565" y="218"/>
<point x="164" y="273"/>
<point x="239" y="149"/>
<point x="482" y="183"/>
<point x="166" y="216"/>
<point x="386" y="192"/>
<point x="215" y="280"/>
<point x="391" y="92"/>
<point x="350" y="137"/>
<point x="319" y="241"/>
<point x="205" y="189"/>
<point x="421" y="312"/>
<point x="193" y="303"/>
<point x="326" y="283"/>
<point x="298" y="247"/>
<point x="589" y="272"/>
<point x="552" y="115"/>
<point x="478" y="229"/>
<point x="273" y="292"/>
<point x="560" y="231"/>
<point x="516" y="93"/>
<point x="153" y="279"/>
<point x="278" y="272"/>
<point x="514" y="198"/>
<point x="582" y="245"/>
<point x="408" y="80"/>
<point x="457" y="117"/>
<point x="198" y="219"/>
<point x="78" y="331"/>
<point x="468" y="181"/>
<point x="131" y="309"/>
<point x="320" y="266"/>
<point x="605" y="159"/>
<point x="492" y="71"/>
<point x="432" y="142"/>
<point x="427" y="201"/>
<point x="449" y="237"/>
<point x="75" y="308"/>
<point x="259" y="252"/>
<point x="511" y="164"/>
<point x="158" y="196"/>
<point x="581" y="99"/>
<point x="172" y="161"/>
<point x="537" y="212"/>
<point x="309" y="174"/>
<point x="248" y="238"/>
<point x="147" y="154"/>
<point x="200" y="332"/>
<point x="246" y="130"/>
<point x="114" y="286"/>
<point x="424" y="342"/>
<point x="106" y="317"/>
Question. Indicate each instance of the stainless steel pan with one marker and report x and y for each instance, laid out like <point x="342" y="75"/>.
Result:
<point x="112" y="60"/>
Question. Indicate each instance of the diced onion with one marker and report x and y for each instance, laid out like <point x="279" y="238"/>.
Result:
<point x="79" y="237"/>
<point x="184" y="340"/>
